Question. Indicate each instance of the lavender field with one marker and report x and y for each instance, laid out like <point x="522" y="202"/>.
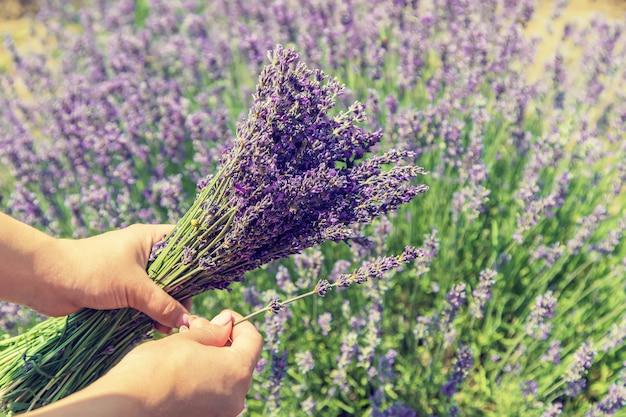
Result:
<point x="517" y="306"/>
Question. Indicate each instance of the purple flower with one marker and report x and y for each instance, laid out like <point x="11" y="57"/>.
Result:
<point x="616" y="336"/>
<point x="305" y="361"/>
<point x="13" y="315"/>
<point x="553" y="410"/>
<point x="583" y="359"/>
<point x="529" y="388"/>
<point x="456" y="298"/>
<point x="377" y="268"/>
<point x="543" y="309"/>
<point x="462" y="367"/>
<point x="553" y="354"/>
<point x="188" y="255"/>
<point x="322" y="287"/>
<point x="283" y="280"/>
<point x="275" y="306"/>
<point x="340" y="374"/>
<point x="324" y="321"/>
<point x="308" y="406"/>
<point x="482" y="293"/>
<point x="614" y="401"/>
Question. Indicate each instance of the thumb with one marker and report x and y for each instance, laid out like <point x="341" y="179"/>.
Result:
<point x="210" y="333"/>
<point x="152" y="300"/>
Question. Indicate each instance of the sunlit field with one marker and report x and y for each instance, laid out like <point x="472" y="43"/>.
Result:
<point x="111" y="113"/>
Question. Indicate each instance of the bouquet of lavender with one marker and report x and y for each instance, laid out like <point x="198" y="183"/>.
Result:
<point x="295" y="177"/>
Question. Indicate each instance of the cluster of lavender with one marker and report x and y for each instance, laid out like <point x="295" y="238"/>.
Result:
<point x="295" y="177"/>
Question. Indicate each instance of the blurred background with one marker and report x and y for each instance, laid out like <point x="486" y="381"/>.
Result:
<point x="16" y="19"/>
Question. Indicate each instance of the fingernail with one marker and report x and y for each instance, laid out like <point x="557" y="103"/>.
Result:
<point x="223" y="319"/>
<point x="183" y="329"/>
<point x="185" y="320"/>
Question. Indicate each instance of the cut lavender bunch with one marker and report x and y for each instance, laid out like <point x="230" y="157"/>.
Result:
<point x="295" y="177"/>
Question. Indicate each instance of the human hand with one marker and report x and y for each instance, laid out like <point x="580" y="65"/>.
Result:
<point x="105" y="272"/>
<point x="195" y="373"/>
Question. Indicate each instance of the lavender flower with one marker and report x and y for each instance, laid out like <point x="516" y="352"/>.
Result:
<point x="583" y="359"/>
<point x="275" y="306"/>
<point x="305" y="361"/>
<point x="553" y="410"/>
<point x="308" y="405"/>
<point x="543" y="309"/>
<point x="553" y="354"/>
<point x="614" y="401"/>
<point x="379" y="267"/>
<point x="529" y="388"/>
<point x="324" y="321"/>
<point x="482" y="293"/>
<point x="456" y="298"/>
<point x="348" y="349"/>
<point x="615" y="337"/>
<point x="462" y="366"/>
<point x="13" y="315"/>
<point x="322" y="287"/>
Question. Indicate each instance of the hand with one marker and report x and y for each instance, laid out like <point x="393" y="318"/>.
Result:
<point x="108" y="271"/>
<point x="61" y="276"/>
<point x="193" y="373"/>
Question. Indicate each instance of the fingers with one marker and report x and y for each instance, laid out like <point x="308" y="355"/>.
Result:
<point x="210" y="333"/>
<point x="152" y="300"/>
<point x="247" y="339"/>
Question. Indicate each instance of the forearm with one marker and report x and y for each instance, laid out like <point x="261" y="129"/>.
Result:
<point x="24" y="260"/>
<point x="101" y="399"/>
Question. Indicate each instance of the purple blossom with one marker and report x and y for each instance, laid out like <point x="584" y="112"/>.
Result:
<point x="324" y="320"/>
<point x="275" y="306"/>
<point x="553" y="410"/>
<point x="188" y="255"/>
<point x="462" y="366"/>
<point x="583" y="359"/>
<point x="456" y="298"/>
<point x="309" y="265"/>
<point x="536" y="324"/>
<point x="482" y="293"/>
<point x="308" y="405"/>
<point x="322" y="287"/>
<point x="377" y="268"/>
<point x="529" y="388"/>
<point x="550" y="254"/>
<point x="553" y="354"/>
<point x="614" y="401"/>
<point x="283" y="280"/>
<point x="339" y="375"/>
<point x="586" y="226"/>
<point x="616" y="336"/>
<point x="305" y="361"/>
<point x="13" y="315"/>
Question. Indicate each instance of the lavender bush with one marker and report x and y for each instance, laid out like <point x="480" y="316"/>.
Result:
<point x="516" y="307"/>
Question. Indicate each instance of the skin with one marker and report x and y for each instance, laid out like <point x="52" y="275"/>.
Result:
<point x="208" y="367"/>
<point x="204" y="375"/>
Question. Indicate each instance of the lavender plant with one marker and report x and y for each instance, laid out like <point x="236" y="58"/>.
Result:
<point x="523" y="266"/>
